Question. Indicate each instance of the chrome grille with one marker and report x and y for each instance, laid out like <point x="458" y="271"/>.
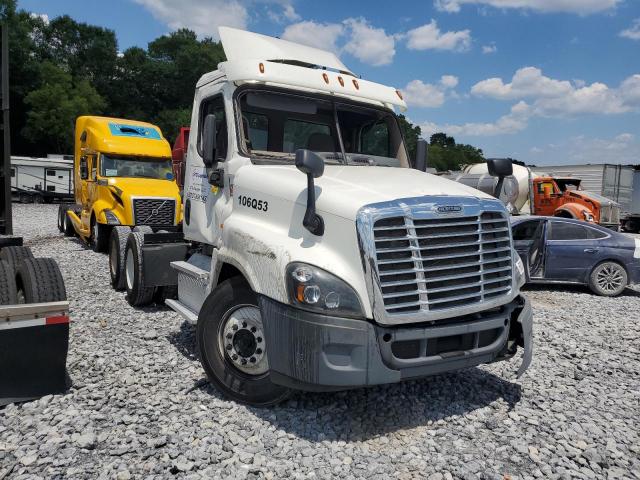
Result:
<point x="440" y="263"/>
<point x="156" y="212"/>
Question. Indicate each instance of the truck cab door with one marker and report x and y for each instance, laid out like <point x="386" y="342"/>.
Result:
<point x="203" y="199"/>
<point x="83" y="188"/>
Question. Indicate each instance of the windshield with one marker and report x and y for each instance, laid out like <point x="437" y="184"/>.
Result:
<point x="136" y="167"/>
<point x="275" y="125"/>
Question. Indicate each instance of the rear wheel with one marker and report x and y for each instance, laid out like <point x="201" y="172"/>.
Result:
<point x="69" y="231"/>
<point x="14" y="255"/>
<point x="608" y="279"/>
<point x="26" y="198"/>
<point x="62" y="208"/>
<point x="39" y="280"/>
<point x="38" y="199"/>
<point x="137" y="294"/>
<point x="117" y="249"/>
<point x="8" y="290"/>
<point x="232" y="347"/>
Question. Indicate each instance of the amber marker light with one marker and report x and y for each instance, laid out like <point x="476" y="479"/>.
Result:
<point x="261" y="67"/>
<point x="399" y="94"/>
<point x="341" y="81"/>
<point x="326" y="77"/>
<point x="355" y="84"/>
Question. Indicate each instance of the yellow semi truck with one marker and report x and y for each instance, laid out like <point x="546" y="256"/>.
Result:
<point x="123" y="177"/>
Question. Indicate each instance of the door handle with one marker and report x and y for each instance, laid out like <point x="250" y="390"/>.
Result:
<point x="590" y="250"/>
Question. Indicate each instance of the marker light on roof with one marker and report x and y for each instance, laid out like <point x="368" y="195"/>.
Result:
<point x="355" y="84"/>
<point x="341" y="81"/>
<point x="261" y="67"/>
<point x="326" y="77"/>
<point x="399" y="94"/>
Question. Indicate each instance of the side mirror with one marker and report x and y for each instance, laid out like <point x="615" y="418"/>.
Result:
<point x="84" y="170"/>
<point x="312" y="165"/>
<point x="209" y="140"/>
<point x="499" y="167"/>
<point x="421" y="155"/>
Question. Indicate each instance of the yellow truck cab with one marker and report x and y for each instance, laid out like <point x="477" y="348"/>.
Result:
<point x="123" y="177"/>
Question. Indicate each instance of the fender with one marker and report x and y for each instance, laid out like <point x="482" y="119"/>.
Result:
<point x="100" y="205"/>
<point x="575" y="210"/>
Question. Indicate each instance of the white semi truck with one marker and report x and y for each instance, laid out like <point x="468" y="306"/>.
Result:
<point x="313" y="256"/>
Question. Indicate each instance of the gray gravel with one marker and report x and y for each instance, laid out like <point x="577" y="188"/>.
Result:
<point x="140" y="406"/>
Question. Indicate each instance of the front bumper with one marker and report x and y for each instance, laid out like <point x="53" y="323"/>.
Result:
<point x="322" y="353"/>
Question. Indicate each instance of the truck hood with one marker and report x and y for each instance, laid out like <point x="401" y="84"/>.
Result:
<point x="145" y="187"/>
<point x="343" y="190"/>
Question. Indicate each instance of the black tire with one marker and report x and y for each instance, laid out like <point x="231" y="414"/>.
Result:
<point x="143" y="229"/>
<point x="137" y="294"/>
<point x="99" y="237"/>
<point x="61" y="213"/>
<point x="608" y="279"/>
<point x="117" y="248"/>
<point x="26" y="198"/>
<point x="39" y="280"/>
<point x="69" y="231"/>
<point x="251" y="389"/>
<point x="14" y="255"/>
<point x="38" y="199"/>
<point x="8" y="290"/>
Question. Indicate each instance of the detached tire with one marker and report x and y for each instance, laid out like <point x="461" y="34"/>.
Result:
<point x="8" y="290"/>
<point x="218" y="342"/>
<point x="69" y="231"/>
<point x="117" y="249"/>
<point x="39" y="280"/>
<point x="608" y="279"/>
<point x="15" y="255"/>
<point x="137" y="294"/>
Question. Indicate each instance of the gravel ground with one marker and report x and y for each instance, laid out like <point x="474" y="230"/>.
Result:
<point x="140" y="406"/>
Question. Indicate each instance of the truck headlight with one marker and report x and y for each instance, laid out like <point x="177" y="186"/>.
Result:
<point x="521" y="276"/>
<point x="587" y="216"/>
<point x="312" y="288"/>
<point x="111" y="218"/>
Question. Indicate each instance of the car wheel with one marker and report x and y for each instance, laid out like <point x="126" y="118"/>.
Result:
<point x="232" y="347"/>
<point x="608" y="279"/>
<point x="117" y="249"/>
<point x="137" y="294"/>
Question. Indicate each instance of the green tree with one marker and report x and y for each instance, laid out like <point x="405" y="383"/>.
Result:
<point x="170" y="122"/>
<point x="54" y="107"/>
<point x="443" y="140"/>
<point x="411" y="134"/>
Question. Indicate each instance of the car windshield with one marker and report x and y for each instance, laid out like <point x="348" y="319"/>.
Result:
<point x="136" y="167"/>
<point x="275" y="125"/>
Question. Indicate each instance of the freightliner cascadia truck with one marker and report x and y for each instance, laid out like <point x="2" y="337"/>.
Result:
<point x="313" y="256"/>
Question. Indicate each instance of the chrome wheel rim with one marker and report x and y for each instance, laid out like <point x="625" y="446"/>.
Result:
<point x="129" y="269"/>
<point x="241" y="340"/>
<point x="610" y="278"/>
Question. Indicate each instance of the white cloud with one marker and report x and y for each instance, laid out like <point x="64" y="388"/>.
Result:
<point x="561" y="97"/>
<point x="429" y="37"/>
<point x="368" y="44"/>
<point x="42" y="16"/>
<point x="633" y="32"/>
<point x="428" y="95"/>
<point x="621" y="149"/>
<point x="202" y="16"/>
<point x="288" y="14"/>
<point x="489" y="49"/>
<point x="319" y="35"/>
<point x="580" y="7"/>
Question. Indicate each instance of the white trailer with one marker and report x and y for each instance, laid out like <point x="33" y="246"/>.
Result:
<point x="41" y="179"/>
<point x="313" y="256"/>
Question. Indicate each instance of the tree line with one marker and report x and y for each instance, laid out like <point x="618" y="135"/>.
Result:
<point x="61" y="69"/>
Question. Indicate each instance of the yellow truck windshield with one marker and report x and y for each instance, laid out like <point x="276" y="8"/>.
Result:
<point x="136" y="167"/>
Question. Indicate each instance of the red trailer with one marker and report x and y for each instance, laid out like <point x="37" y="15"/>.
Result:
<point x="179" y="154"/>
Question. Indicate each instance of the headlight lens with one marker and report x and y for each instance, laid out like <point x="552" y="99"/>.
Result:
<point x="587" y="216"/>
<point x="312" y="288"/>
<point x="521" y="277"/>
<point x="111" y="218"/>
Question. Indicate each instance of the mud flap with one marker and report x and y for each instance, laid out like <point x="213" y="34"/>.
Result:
<point x="34" y="340"/>
<point x="525" y="319"/>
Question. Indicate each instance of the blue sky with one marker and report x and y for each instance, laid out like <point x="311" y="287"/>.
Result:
<point x="545" y="81"/>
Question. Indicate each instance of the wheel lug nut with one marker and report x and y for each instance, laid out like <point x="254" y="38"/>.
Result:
<point x="229" y="347"/>
<point x="252" y="359"/>
<point x="234" y="356"/>
<point x="253" y="329"/>
<point x="229" y="336"/>
<point x="244" y="324"/>
<point x="234" y="328"/>
<point x="258" y="351"/>
<point x="259" y="339"/>
<point x="244" y="361"/>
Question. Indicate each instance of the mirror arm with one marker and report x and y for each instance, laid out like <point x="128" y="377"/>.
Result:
<point x="498" y="189"/>
<point x="312" y="221"/>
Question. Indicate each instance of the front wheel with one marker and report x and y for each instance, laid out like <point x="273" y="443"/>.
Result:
<point x="138" y="294"/>
<point x="608" y="279"/>
<point x="99" y="237"/>
<point x="232" y="348"/>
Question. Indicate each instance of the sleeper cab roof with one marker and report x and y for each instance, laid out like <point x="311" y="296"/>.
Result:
<point x="121" y="136"/>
